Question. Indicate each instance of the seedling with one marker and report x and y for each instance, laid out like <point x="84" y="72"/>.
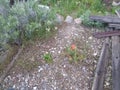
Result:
<point x="48" y="57"/>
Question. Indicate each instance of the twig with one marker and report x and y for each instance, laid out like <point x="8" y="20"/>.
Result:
<point x="10" y="65"/>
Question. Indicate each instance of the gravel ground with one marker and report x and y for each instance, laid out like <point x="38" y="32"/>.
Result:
<point x="61" y="74"/>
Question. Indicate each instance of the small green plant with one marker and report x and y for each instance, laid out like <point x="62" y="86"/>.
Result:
<point x="72" y="53"/>
<point x="48" y="57"/>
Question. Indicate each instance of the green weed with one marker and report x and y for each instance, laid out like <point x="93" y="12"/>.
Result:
<point x="48" y="57"/>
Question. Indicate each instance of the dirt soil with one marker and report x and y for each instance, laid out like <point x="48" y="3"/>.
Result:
<point x="31" y="72"/>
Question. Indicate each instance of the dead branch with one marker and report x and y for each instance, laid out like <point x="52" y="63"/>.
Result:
<point x="10" y="65"/>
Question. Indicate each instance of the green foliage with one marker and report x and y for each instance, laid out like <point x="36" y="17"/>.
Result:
<point x="73" y="54"/>
<point x="87" y="22"/>
<point x="48" y="57"/>
<point x="24" y="21"/>
<point x="80" y="8"/>
<point x="98" y="6"/>
<point x="63" y="7"/>
<point x="7" y="29"/>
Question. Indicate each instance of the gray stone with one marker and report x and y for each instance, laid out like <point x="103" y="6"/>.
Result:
<point x="35" y="88"/>
<point x="59" y="19"/>
<point x="10" y="88"/>
<point x="69" y="19"/>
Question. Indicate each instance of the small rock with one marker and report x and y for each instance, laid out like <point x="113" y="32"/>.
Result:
<point x="22" y="88"/>
<point x="59" y="19"/>
<point x="34" y="88"/>
<point x="69" y="19"/>
<point x="77" y="21"/>
<point x="95" y="54"/>
<point x="40" y="69"/>
<point x="10" y="88"/>
<point x="90" y="38"/>
<point x="59" y="52"/>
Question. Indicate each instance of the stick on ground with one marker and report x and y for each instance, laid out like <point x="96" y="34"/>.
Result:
<point x="10" y="65"/>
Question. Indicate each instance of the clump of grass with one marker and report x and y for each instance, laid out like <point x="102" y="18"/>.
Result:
<point x="63" y="7"/>
<point x="48" y="57"/>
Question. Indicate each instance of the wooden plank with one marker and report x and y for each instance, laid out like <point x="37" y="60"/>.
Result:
<point x="106" y="34"/>
<point x="116" y="62"/>
<point x="115" y="26"/>
<point x="98" y="83"/>
<point x="106" y="19"/>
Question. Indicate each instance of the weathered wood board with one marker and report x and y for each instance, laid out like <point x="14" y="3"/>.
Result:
<point x="113" y="23"/>
<point x="116" y="62"/>
<point x="106" y="19"/>
<point x="98" y="83"/>
<point x="99" y="35"/>
<point x="115" y="26"/>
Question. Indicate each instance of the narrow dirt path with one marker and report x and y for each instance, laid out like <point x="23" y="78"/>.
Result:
<point x="61" y="74"/>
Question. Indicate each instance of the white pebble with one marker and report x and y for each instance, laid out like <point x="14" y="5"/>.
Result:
<point x="34" y="88"/>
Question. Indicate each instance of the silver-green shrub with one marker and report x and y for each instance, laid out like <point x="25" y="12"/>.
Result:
<point x="24" y="20"/>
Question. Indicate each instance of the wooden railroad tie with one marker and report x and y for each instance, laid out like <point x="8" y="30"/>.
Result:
<point x="113" y="23"/>
<point x="106" y="34"/>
